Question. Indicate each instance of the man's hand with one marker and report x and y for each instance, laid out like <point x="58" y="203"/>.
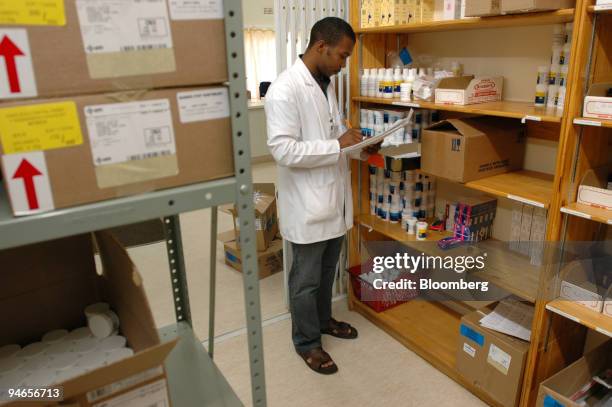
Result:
<point x="350" y="138"/>
<point x="373" y="149"/>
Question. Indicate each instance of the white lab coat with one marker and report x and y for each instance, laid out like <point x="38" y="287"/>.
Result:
<point x="314" y="184"/>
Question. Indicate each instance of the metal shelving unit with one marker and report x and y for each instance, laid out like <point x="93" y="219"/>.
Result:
<point x="192" y="375"/>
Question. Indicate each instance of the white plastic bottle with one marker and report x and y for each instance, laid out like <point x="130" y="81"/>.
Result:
<point x="380" y="80"/>
<point x="540" y="95"/>
<point x="388" y="81"/>
<point x="551" y="96"/>
<point x="561" y="100"/>
<point x="565" y="54"/>
<point x="372" y="85"/>
<point x="563" y="76"/>
<point x="569" y="29"/>
<point x="558" y="34"/>
<point x="553" y="75"/>
<point x="456" y="68"/>
<point x="363" y="83"/>
<point x="397" y="82"/>
<point x="542" y="75"/>
<point x="556" y="54"/>
<point x="405" y="74"/>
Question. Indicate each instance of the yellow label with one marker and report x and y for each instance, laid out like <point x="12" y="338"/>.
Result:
<point x="32" y="12"/>
<point x="40" y="127"/>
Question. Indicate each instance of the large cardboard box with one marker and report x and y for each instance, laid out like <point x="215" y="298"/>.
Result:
<point x="93" y="46"/>
<point x="467" y="90"/>
<point x="63" y="152"/>
<point x="482" y="8"/>
<point x="522" y="6"/>
<point x="557" y="390"/>
<point x="266" y="219"/>
<point x="269" y="261"/>
<point x="51" y="284"/>
<point x="593" y="189"/>
<point x="469" y="149"/>
<point x="491" y="361"/>
<point x="598" y="101"/>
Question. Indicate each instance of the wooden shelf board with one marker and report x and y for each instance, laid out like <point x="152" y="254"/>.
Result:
<point x="429" y="330"/>
<point x="588" y="212"/>
<point x="534" y="188"/>
<point x="504" y="268"/>
<point x="589" y="121"/>
<point x="514" y="110"/>
<point x="582" y="315"/>
<point x="511" y="20"/>
<point x="607" y="9"/>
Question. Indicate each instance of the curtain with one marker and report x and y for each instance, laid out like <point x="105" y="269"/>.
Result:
<point x="260" y="55"/>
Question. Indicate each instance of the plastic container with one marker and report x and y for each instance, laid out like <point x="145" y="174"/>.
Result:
<point x="54" y="336"/>
<point x="372" y="83"/>
<point x="569" y="30"/>
<point x="563" y="76"/>
<point x="540" y="95"/>
<point x="61" y="347"/>
<point x="380" y="82"/>
<point x="79" y="334"/>
<point x="92" y="360"/>
<point x="38" y="362"/>
<point x="561" y="100"/>
<point x="96" y="308"/>
<point x="556" y="54"/>
<point x="111" y="343"/>
<point x="406" y="92"/>
<point x="412" y="225"/>
<point x="63" y="361"/>
<point x="558" y="36"/>
<point x="551" y="96"/>
<point x="553" y="74"/>
<point x="31" y="350"/>
<point x="565" y="54"/>
<point x="397" y="82"/>
<point x="421" y="232"/>
<point x="456" y="68"/>
<point x="542" y="75"/>
<point x="104" y="324"/>
<point x="86" y="345"/>
<point x="118" y="354"/>
<point x="388" y="84"/>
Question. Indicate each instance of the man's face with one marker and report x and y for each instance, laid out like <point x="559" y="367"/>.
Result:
<point x="334" y="57"/>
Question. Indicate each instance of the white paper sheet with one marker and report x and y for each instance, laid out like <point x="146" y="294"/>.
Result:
<point x="511" y="318"/>
<point x="376" y="139"/>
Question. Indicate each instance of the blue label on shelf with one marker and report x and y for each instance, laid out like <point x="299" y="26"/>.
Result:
<point x="551" y="402"/>
<point x="472" y="334"/>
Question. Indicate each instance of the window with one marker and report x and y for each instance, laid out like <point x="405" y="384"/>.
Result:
<point x="260" y="54"/>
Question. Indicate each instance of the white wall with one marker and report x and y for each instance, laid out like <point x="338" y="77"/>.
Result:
<point x="253" y="13"/>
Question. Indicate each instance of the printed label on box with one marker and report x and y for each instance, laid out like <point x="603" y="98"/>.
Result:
<point x="196" y="9"/>
<point x="131" y="381"/>
<point x="202" y="105"/>
<point x="28" y="184"/>
<point x="121" y="132"/>
<point x="499" y="359"/>
<point x="580" y="295"/>
<point x="17" y="72"/>
<point x="40" y="127"/>
<point x="124" y="25"/>
<point x="469" y="350"/>
<point x="32" y="12"/>
<point x="151" y="395"/>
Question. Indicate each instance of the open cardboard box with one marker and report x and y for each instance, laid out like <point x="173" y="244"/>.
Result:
<point x="468" y="90"/>
<point x="269" y="262"/>
<point x="593" y="189"/>
<point x="596" y="103"/>
<point x="523" y="6"/>
<point x="48" y="285"/>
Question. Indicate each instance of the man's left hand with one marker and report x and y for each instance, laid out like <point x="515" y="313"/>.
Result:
<point x="373" y="149"/>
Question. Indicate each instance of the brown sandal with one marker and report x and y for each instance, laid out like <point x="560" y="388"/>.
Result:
<point x="340" y="330"/>
<point x="316" y="358"/>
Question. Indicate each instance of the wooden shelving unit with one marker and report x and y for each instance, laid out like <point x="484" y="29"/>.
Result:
<point x="588" y="121"/>
<point x="588" y="212"/>
<point x="603" y="9"/>
<point x="582" y="315"/>
<point x="513" y="110"/>
<point x="425" y="328"/>
<point x="512" y="20"/>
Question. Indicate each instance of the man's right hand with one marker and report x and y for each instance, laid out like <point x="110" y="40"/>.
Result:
<point x="351" y="137"/>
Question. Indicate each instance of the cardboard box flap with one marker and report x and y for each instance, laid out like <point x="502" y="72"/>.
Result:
<point x="225" y="237"/>
<point x="264" y="195"/>
<point x="48" y="297"/>
<point x="597" y="177"/>
<point x="130" y="300"/>
<point x="462" y="126"/>
<point x="461" y="82"/>
<point x="600" y="89"/>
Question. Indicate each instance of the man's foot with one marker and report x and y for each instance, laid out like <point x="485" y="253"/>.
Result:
<point x="319" y="361"/>
<point x="340" y="330"/>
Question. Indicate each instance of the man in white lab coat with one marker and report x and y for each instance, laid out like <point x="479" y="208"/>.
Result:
<point x="305" y="136"/>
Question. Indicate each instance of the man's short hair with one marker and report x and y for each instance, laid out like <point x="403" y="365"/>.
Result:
<point x="331" y="30"/>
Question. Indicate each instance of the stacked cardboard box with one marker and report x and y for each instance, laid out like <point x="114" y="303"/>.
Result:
<point x="269" y="262"/>
<point x="51" y="284"/>
<point x="106" y="128"/>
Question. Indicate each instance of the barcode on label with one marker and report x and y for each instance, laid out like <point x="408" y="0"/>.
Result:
<point x="148" y="155"/>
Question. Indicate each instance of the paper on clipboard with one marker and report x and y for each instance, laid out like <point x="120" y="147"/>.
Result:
<point x="373" y="140"/>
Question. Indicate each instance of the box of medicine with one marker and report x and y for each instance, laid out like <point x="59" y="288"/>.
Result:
<point x="585" y="282"/>
<point x="63" y="152"/>
<point x="593" y="189"/>
<point x="112" y="46"/>
<point x="473" y="219"/>
<point x="492" y="361"/>
<point x="270" y="261"/>
<point x="51" y="284"/>
<point x="467" y="90"/>
<point x="482" y="8"/>
<point x="469" y="149"/>
<point x="523" y="6"/>
<point x="598" y="101"/>
<point x="452" y="10"/>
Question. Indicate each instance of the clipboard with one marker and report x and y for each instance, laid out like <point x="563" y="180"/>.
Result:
<point x="373" y="140"/>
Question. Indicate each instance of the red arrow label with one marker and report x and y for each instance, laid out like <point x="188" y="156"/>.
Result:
<point x="9" y="51"/>
<point x="27" y="172"/>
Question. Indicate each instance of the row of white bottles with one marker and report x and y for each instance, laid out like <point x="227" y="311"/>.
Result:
<point x="385" y="83"/>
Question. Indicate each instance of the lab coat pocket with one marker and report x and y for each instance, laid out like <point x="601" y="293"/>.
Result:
<point x="322" y="204"/>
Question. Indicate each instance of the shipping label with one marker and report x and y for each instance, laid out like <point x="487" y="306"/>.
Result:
<point x="28" y="183"/>
<point x="469" y="350"/>
<point x="151" y="395"/>
<point x="32" y="12"/>
<point x="17" y="78"/>
<point x="124" y="25"/>
<point x="202" y="105"/>
<point x="121" y="385"/>
<point x="121" y="132"/>
<point x="196" y="9"/>
<point x="499" y="359"/>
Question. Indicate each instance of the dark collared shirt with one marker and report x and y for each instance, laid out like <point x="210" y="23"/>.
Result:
<point x="322" y="80"/>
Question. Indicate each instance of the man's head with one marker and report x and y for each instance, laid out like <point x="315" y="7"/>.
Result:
<point x="331" y="43"/>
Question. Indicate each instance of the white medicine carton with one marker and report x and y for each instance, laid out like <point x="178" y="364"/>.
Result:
<point x="596" y="104"/>
<point x="467" y="90"/>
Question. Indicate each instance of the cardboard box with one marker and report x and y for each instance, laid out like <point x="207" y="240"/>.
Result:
<point x="428" y="9"/>
<point x="266" y="219"/>
<point x="598" y="102"/>
<point x="96" y="147"/>
<point x="482" y="8"/>
<point x="98" y="47"/>
<point x="579" y="284"/>
<point x="473" y="148"/>
<point x="522" y="6"/>
<point x="557" y="390"/>
<point x="593" y="189"/>
<point x="467" y="90"/>
<point x="269" y="261"/>
<point x="491" y="361"/>
<point x="51" y="283"/>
